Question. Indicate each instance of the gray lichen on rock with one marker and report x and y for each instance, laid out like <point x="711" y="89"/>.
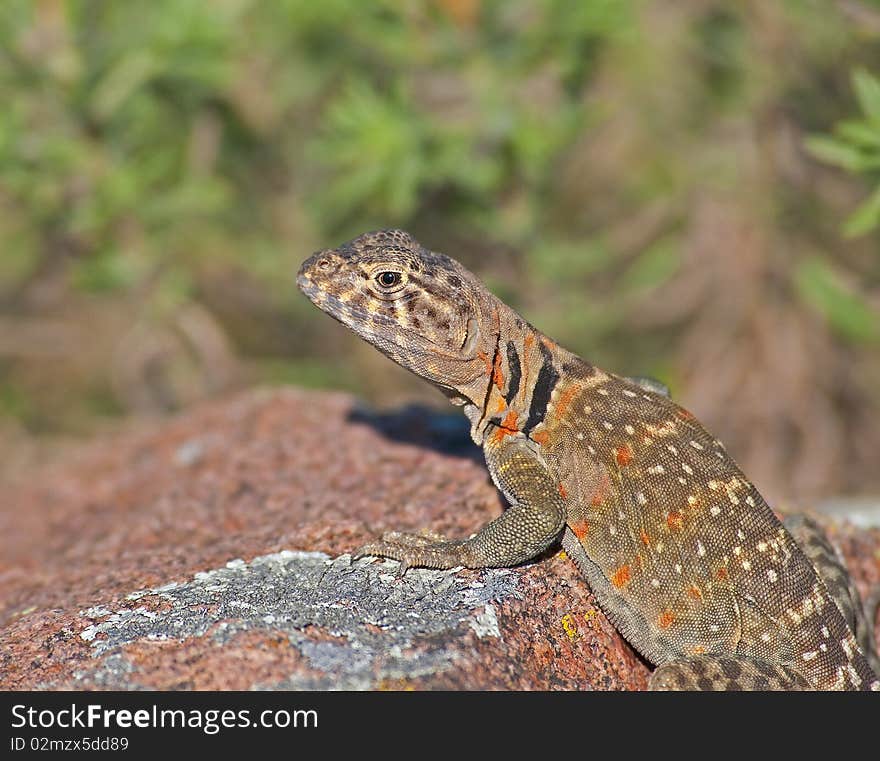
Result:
<point x="371" y="625"/>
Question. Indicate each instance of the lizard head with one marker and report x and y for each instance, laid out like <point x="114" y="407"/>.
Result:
<point x="420" y="308"/>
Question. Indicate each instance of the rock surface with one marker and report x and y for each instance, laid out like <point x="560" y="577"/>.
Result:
<point x="208" y="552"/>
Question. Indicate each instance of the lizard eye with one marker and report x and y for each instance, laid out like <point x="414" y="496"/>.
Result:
<point x="388" y="279"/>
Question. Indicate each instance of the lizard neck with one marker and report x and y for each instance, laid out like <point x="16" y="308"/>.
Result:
<point x="520" y="367"/>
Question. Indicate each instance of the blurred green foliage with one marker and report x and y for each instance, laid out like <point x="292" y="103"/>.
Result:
<point x="855" y="147"/>
<point x="165" y="154"/>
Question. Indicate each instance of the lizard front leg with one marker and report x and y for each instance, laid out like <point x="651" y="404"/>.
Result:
<point x="533" y="521"/>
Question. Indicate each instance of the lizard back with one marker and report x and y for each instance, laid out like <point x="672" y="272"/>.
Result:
<point x="684" y="537"/>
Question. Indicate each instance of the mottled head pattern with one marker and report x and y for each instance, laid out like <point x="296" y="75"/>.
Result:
<point x="420" y="308"/>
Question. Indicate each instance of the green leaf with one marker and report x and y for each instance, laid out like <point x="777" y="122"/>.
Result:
<point x="835" y="152"/>
<point x="867" y="88"/>
<point x="121" y="81"/>
<point x="858" y="133"/>
<point x="865" y="218"/>
<point x="654" y="266"/>
<point x="845" y="310"/>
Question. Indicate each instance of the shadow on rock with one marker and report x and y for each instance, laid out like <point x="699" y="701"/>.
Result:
<point x="422" y="426"/>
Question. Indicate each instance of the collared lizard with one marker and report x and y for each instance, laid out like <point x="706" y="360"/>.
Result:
<point x="681" y="551"/>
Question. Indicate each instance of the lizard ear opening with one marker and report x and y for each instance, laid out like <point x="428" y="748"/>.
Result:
<point x="473" y="334"/>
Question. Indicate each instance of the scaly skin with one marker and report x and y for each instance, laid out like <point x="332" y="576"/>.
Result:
<point x="682" y="552"/>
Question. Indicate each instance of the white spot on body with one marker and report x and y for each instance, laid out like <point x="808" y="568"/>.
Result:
<point x="713" y="485"/>
<point x="629" y="429"/>
<point x="747" y="566"/>
<point x="714" y="509"/>
<point x="641" y="498"/>
<point x="692" y="500"/>
<point x="655" y="582"/>
<point x="696" y="445"/>
<point x="603" y="391"/>
<point x="678" y="568"/>
<point x="854" y="675"/>
<point x="607" y="425"/>
<point x="656" y="470"/>
<point x="701" y="550"/>
<point x="672" y="449"/>
<point x="772" y="576"/>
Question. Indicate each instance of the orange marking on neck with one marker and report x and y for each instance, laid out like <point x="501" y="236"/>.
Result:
<point x="684" y="414"/>
<point x="580" y="529"/>
<point x="548" y="342"/>
<point x="497" y="374"/>
<point x="646" y="540"/>
<point x="721" y="574"/>
<point x="621" y="576"/>
<point x="488" y="362"/>
<point x="542" y="437"/>
<point x="623" y="455"/>
<point x="529" y="340"/>
<point x="500" y="405"/>
<point x="695" y="592"/>
<point x="565" y="400"/>
<point x="666" y="619"/>
<point x="674" y="521"/>
<point x="563" y="492"/>
<point x="507" y="428"/>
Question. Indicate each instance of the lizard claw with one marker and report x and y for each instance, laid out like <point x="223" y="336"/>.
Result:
<point x="380" y="550"/>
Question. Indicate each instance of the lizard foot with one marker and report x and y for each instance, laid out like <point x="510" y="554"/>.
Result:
<point x="427" y="549"/>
